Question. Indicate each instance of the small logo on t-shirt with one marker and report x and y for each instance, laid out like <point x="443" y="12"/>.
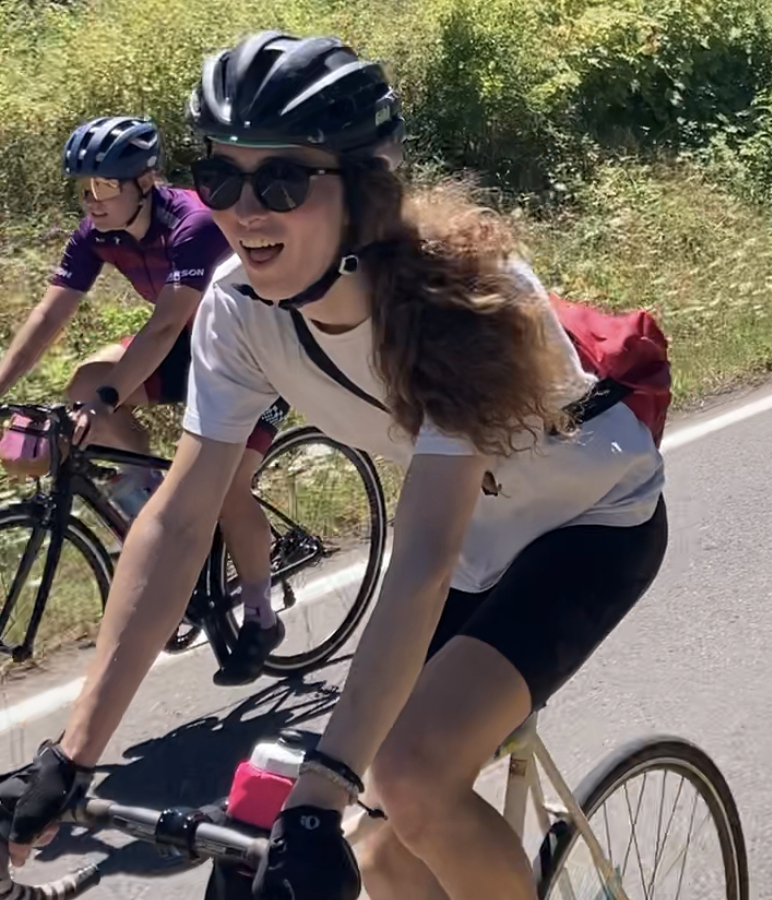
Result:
<point x="63" y="273"/>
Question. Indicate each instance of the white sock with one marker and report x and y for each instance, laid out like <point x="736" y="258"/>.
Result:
<point x="257" y="603"/>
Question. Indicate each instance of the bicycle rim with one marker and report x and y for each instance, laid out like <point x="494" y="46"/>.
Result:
<point x="78" y="594"/>
<point x="326" y="508"/>
<point x="667" y="822"/>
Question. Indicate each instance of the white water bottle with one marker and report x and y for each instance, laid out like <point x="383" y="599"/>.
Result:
<point x="129" y="491"/>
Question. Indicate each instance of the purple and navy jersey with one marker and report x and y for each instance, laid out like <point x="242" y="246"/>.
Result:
<point x="182" y="246"/>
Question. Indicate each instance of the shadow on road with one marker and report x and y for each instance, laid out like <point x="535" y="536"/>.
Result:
<point x="193" y="765"/>
<point x="134" y="858"/>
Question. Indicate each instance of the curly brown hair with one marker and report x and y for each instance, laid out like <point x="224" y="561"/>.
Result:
<point x="457" y="339"/>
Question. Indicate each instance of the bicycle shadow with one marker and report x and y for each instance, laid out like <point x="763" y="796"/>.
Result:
<point x="193" y="766"/>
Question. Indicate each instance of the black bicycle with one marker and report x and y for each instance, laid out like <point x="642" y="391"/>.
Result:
<point x="327" y="512"/>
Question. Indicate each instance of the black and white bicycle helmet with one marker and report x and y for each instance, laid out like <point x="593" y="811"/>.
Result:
<point x="120" y="147"/>
<point x="273" y="90"/>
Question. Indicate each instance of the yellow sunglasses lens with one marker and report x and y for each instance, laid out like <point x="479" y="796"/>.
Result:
<point x="98" y="188"/>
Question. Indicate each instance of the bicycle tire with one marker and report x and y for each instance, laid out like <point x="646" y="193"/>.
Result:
<point x="31" y="514"/>
<point x="635" y="758"/>
<point x="301" y="663"/>
<point x="305" y="662"/>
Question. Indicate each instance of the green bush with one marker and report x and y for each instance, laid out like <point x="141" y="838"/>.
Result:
<point x="531" y="91"/>
<point x="666" y="74"/>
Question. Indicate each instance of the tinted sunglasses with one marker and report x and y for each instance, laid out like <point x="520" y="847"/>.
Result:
<point x="97" y="189"/>
<point x="280" y="185"/>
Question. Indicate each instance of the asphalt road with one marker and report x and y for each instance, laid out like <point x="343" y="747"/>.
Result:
<point x="693" y="659"/>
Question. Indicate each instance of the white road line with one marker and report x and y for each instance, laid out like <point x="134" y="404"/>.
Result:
<point x="49" y="701"/>
<point x="55" y="698"/>
<point x="687" y="434"/>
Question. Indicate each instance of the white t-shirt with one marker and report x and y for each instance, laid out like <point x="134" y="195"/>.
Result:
<point x="246" y="353"/>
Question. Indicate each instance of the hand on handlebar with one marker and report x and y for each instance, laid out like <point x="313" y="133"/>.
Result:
<point x="33" y="798"/>
<point x="308" y="859"/>
<point x="85" y="416"/>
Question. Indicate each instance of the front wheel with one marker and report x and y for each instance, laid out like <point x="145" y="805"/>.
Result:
<point x="72" y="606"/>
<point x="667" y="823"/>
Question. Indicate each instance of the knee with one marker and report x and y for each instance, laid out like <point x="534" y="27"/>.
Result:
<point x="382" y="864"/>
<point x="87" y="378"/>
<point x="82" y="385"/>
<point x="415" y="786"/>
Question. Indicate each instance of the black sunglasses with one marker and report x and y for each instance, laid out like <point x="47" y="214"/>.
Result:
<point x="280" y="185"/>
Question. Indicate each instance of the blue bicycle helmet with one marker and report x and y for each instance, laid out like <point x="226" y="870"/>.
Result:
<point x="121" y="147"/>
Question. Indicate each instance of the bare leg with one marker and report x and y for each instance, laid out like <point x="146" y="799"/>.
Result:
<point x="248" y="537"/>
<point x="389" y="871"/>
<point x="245" y="526"/>
<point x="466" y="701"/>
<point x="121" y="430"/>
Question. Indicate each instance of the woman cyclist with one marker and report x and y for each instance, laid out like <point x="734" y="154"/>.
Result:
<point x="422" y="304"/>
<point x="163" y="240"/>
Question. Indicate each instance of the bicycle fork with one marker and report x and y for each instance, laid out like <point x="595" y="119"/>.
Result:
<point x="53" y="523"/>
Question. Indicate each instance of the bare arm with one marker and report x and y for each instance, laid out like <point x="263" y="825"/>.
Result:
<point x="39" y="331"/>
<point x="156" y="574"/>
<point x="437" y="501"/>
<point x="176" y="304"/>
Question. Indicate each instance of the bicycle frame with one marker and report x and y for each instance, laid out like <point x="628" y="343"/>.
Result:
<point x="525" y="749"/>
<point x="72" y="474"/>
<point x="70" y="479"/>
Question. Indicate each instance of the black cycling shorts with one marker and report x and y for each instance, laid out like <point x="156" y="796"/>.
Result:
<point x="558" y="600"/>
<point x="169" y="384"/>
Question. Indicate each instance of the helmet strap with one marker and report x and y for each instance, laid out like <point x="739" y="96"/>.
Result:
<point x="142" y="198"/>
<point x="346" y="265"/>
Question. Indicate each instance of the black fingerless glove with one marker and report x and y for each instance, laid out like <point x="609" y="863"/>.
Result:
<point x="308" y="859"/>
<point x="35" y="796"/>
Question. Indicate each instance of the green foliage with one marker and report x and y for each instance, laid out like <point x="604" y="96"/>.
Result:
<point x="637" y="133"/>
<point x="532" y="91"/>
<point x="535" y="94"/>
<point x="667" y="73"/>
<point x="665" y="238"/>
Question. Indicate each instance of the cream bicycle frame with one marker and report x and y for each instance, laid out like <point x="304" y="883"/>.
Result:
<point x="525" y="748"/>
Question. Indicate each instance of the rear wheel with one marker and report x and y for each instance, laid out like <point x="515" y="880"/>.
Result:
<point x="666" y="821"/>
<point x="326" y="508"/>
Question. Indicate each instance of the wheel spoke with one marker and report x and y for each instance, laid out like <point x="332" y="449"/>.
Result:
<point x="659" y="832"/>
<point x="686" y="849"/>
<point x="31" y="552"/>
<point x="325" y="506"/>
<point x="608" y="836"/>
<point x="657" y="859"/>
<point x="645" y="792"/>
<point x="689" y="843"/>
<point x="634" y="832"/>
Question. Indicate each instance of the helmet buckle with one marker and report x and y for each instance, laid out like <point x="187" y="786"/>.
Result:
<point x="348" y="264"/>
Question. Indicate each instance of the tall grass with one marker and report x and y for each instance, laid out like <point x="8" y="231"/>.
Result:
<point x="667" y="239"/>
